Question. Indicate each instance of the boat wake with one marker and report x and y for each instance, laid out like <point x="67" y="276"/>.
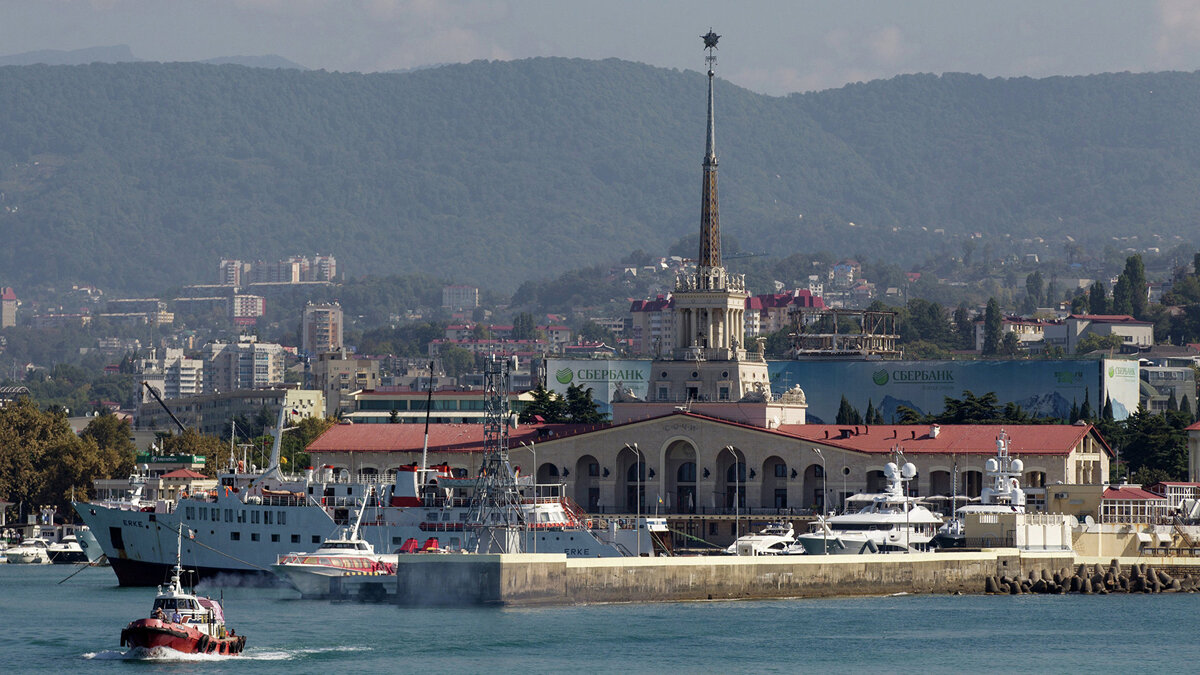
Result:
<point x="168" y="655"/>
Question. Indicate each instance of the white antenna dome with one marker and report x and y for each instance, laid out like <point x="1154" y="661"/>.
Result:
<point x="889" y="469"/>
<point x="909" y="470"/>
<point x="992" y="465"/>
<point x="1018" y="466"/>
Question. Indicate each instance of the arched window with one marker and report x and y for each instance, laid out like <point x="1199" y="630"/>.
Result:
<point x="686" y="473"/>
<point x="740" y="475"/>
<point x="631" y="474"/>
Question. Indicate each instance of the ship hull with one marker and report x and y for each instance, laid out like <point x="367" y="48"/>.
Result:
<point x="155" y="633"/>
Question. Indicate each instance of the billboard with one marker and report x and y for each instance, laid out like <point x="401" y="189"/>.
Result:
<point x="601" y="375"/>
<point x="1041" y="388"/>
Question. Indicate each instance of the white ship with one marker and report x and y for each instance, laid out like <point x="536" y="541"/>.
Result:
<point x="1002" y="495"/>
<point x="250" y="520"/>
<point x="890" y="521"/>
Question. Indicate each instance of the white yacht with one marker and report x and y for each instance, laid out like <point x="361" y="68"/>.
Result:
<point x="33" y="551"/>
<point x="891" y="521"/>
<point x="1003" y="494"/>
<point x="66" y="551"/>
<point x="773" y="539"/>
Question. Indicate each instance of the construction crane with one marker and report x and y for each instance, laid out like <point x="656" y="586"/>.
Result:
<point x="158" y="398"/>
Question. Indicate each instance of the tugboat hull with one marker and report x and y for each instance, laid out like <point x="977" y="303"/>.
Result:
<point x="151" y="633"/>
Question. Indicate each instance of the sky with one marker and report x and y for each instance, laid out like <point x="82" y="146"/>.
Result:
<point x="769" y="46"/>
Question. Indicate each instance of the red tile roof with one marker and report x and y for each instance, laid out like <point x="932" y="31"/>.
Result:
<point x="184" y="473"/>
<point x="8" y="294"/>
<point x="1044" y="439"/>
<point x="1107" y="318"/>
<point x="442" y="437"/>
<point x="968" y="439"/>
<point x="1194" y="427"/>
<point x="1127" y="493"/>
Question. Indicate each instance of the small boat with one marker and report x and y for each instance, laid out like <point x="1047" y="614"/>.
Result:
<point x="91" y="547"/>
<point x="773" y="539"/>
<point x="67" y="551"/>
<point x="183" y="621"/>
<point x="342" y="566"/>
<point x="33" y="551"/>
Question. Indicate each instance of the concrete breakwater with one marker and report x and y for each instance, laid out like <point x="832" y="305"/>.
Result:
<point x="549" y="579"/>
<point x="1088" y="579"/>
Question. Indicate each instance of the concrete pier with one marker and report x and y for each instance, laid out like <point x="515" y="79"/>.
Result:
<point x="554" y="579"/>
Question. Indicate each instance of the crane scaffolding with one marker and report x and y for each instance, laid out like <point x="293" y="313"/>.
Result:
<point x="495" y="515"/>
<point x="821" y="333"/>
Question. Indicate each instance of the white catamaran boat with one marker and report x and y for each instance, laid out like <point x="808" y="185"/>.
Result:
<point x="1003" y="494"/>
<point x="891" y="521"/>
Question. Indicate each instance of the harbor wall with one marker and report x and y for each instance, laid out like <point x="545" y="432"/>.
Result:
<point x="541" y="579"/>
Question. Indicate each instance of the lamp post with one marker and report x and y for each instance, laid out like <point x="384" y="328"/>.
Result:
<point x="530" y="448"/>
<point x="736" y="493"/>
<point x="637" y="523"/>
<point x="824" y="497"/>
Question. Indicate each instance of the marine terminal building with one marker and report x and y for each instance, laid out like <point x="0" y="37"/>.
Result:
<point x="690" y="464"/>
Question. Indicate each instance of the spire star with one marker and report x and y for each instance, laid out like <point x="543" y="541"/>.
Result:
<point x="710" y="39"/>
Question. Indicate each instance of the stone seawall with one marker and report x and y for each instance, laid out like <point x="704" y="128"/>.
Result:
<point x="539" y="579"/>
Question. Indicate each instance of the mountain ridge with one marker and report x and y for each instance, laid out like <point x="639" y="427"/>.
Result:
<point x="495" y="172"/>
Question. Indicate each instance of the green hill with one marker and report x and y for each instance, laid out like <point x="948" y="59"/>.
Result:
<point x="139" y="176"/>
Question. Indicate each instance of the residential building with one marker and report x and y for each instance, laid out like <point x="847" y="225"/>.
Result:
<point x="321" y="329"/>
<point x="245" y="364"/>
<point x="1163" y="384"/>
<point x="458" y="298"/>
<point x="338" y="376"/>
<point x="324" y="268"/>
<point x="211" y="413"/>
<point x="173" y="375"/>
<point x="1134" y="334"/>
<point x="229" y="272"/>
<point x="403" y="405"/>
<point x="652" y="326"/>
<point x="244" y="310"/>
<point x="1028" y="331"/>
<point x="8" y="307"/>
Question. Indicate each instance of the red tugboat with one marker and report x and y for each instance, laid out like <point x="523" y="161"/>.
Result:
<point x="183" y="621"/>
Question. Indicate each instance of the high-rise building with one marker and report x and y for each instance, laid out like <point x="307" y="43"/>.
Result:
<point x="229" y="272"/>
<point x="321" y="328"/>
<point x="8" y="307"/>
<point x="324" y="268"/>
<point x="460" y="297"/>
<point x="339" y="376"/>
<point x="173" y="374"/>
<point x="245" y="364"/>
<point x="245" y="309"/>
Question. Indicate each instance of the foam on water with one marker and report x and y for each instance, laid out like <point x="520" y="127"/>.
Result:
<point x="168" y="655"/>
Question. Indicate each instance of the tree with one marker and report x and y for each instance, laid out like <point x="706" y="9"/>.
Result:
<point x="992" y="325"/>
<point x="1034" y="290"/>
<point x="1093" y="342"/>
<point x="1107" y="412"/>
<point x="524" y="327"/>
<point x="457" y="361"/>
<point x="964" y="327"/>
<point x="1085" y="410"/>
<point x="1122" y="300"/>
<point x="848" y="414"/>
<point x="1098" y="299"/>
<point x="1010" y="344"/>
<point x="1135" y="273"/>
<point x="580" y="406"/>
<point x="545" y="404"/>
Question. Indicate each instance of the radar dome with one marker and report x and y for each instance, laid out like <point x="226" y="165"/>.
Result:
<point x="992" y="466"/>
<point x="909" y="470"/>
<point x="889" y="469"/>
<point x="1018" y="466"/>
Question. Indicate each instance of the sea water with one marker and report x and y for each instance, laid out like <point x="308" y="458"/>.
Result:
<point x="74" y="626"/>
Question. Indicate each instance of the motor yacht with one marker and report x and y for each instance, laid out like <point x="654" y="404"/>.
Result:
<point x="771" y="540"/>
<point x="889" y="522"/>
<point x="34" y="551"/>
<point x="1003" y="494"/>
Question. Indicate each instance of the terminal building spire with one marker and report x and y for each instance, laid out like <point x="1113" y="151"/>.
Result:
<point x="710" y="219"/>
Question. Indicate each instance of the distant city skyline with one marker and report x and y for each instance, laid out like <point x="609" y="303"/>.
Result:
<point x="771" y="47"/>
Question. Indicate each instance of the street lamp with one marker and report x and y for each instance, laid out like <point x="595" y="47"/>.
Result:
<point x="531" y="449"/>
<point x="824" y="497"/>
<point x="637" y="523"/>
<point x="736" y="493"/>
